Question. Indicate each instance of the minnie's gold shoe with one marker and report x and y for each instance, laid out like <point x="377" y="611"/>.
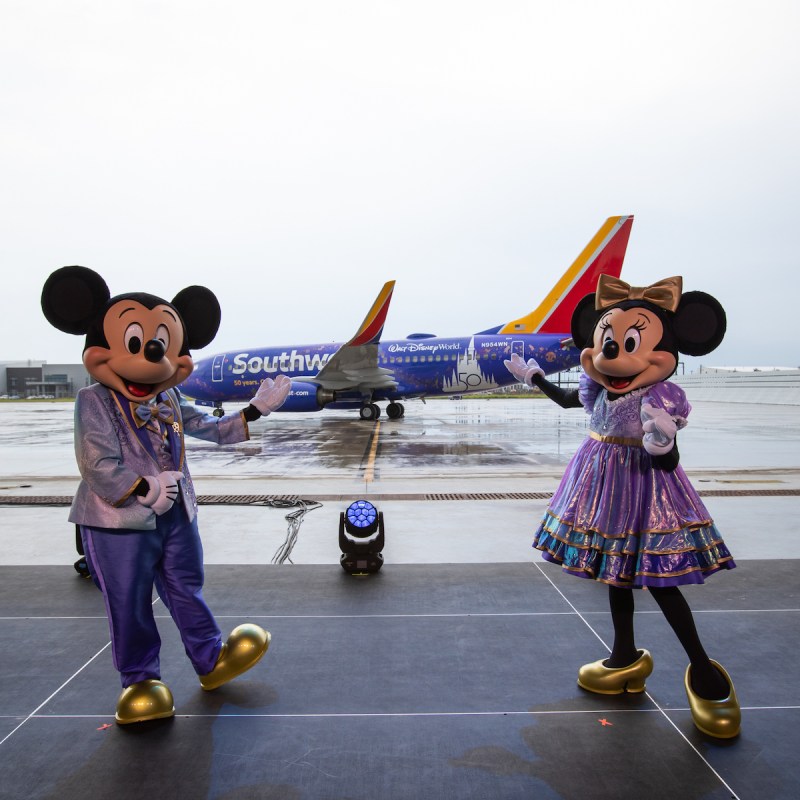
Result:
<point x="596" y="678"/>
<point x="244" y="649"/>
<point x="143" y="701"/>
<point x="719" y="718"/>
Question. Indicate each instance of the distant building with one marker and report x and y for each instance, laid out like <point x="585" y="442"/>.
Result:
<point x="31" y="379"/>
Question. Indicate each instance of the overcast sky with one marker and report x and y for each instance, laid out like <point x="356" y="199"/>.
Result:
<point x="293" y="156"/>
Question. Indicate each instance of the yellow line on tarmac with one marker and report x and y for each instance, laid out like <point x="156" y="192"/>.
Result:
<point x="369" y="472"/>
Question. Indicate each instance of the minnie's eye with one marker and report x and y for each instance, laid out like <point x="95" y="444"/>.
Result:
<point x="162" y="334"/>
<point x="608" y="335"/>
<point x="632" y="340"/>
<point x="134" y="335"/>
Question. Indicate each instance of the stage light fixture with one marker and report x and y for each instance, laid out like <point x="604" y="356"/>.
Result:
<point x="361" y="538"/>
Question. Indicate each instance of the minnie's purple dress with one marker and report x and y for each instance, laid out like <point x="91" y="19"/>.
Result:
<point x="616" y="518"/>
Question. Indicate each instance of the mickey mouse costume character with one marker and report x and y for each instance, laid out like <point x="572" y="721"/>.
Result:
<point x="625" y="513"/>
<point x="135" y="505"/>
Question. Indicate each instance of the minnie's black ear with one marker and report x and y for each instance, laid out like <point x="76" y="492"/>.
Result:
<point x="699" y="323"/>
<point x="73" y="297"/>
<point x="201" y="314"/>
<point x="584" y="318"/>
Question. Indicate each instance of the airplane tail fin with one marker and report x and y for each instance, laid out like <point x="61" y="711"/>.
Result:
<point x="603" y="255"/>
<point x="372" y="327"/>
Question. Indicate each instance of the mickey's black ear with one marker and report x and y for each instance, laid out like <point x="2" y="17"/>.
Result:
<point x="201" y="315"/>
<point x="699" y="323"/>
<point x="584" y="318"/>
<point x="73" y="297"/>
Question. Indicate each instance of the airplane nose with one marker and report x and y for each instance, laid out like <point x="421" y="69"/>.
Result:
<point x="154" y="351"/>
<point x="610" y="349"/>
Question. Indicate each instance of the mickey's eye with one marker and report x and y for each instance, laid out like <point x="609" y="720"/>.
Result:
<point x="632" y="340"/>
<point x="134" y="335"/>
<point x="162" y="334"/>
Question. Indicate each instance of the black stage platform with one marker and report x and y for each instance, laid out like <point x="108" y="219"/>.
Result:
<point x="454" y="681"/>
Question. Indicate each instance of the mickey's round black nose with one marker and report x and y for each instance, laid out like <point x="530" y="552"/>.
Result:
<point x="154" y="351"/>
<point x="610" y="349"/>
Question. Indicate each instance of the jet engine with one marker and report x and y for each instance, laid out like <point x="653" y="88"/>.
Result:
<point x="306" y="396"/>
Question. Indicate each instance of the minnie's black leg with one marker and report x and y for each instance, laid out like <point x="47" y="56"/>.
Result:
<point x="707" y="682"/>
<point x="624" y="650"/>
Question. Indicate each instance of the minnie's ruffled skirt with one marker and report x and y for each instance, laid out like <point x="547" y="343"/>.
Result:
<point x="619" y="521"/>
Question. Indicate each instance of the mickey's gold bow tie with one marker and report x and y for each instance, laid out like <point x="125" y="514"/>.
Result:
<point x="144" y="412"/>
<point x="665" y="294"/>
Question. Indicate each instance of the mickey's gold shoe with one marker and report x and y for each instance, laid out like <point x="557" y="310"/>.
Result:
<point x="719" y="718"/>
<point x="596" y="678"/>
<point x="244" y="649"/>
<point x="144" y="701"/>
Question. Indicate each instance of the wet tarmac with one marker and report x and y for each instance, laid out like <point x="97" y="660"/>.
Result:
<point x="458" y="480"/>
<point x="442" y="438"/>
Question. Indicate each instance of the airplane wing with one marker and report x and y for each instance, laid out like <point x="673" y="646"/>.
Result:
<point x="354" y="366"/>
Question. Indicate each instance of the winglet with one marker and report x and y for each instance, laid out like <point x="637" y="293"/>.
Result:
<point x="372" y="326"/>
<point x="603" y="255"/>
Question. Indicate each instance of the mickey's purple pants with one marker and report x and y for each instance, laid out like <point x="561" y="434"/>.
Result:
<point x="125" y="564"/>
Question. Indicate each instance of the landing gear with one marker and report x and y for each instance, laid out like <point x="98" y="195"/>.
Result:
<point x="395" y="410"/>
<point x="218" y="411"/>
<point x="370" y="411"/>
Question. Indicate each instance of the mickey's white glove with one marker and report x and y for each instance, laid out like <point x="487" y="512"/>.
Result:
<point x="659" y="430"/>
<point x="271" y="394"/>
<point x="523" y="372"/>
<point x="163" y="491"/>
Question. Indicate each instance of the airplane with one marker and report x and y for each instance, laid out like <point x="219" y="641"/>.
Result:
<point x="359" y="373"/>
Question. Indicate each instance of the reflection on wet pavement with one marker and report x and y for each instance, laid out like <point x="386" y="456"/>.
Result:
<point x="454" y="437"/>
<point x="442" y="436"/>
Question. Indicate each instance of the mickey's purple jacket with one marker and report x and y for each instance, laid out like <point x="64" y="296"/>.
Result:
<point x="113" y="454"/>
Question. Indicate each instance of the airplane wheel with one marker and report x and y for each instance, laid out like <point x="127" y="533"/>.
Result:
<point x="218" y="412"/>
<point x="376" y="410"/>
<point x="395" y="410"/>
<point x="367" y="412"/>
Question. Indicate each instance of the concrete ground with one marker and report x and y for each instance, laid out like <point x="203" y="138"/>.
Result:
<point x="452" y="672"/>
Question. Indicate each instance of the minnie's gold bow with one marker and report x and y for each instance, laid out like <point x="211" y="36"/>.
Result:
<point x="665" y="294"/>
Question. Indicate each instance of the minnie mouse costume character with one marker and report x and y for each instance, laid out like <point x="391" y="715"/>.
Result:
<point x="135" y="506"/>
<point x="625" y="513"/>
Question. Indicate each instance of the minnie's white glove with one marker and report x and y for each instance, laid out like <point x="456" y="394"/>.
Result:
<point x="659" y="430"/>
<point x="523" y="372"/>
<point x="271" y="394"/>
<point x="163" y="491"/>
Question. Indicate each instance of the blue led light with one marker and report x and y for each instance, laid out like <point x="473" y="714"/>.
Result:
<point x="361" y="514"/>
